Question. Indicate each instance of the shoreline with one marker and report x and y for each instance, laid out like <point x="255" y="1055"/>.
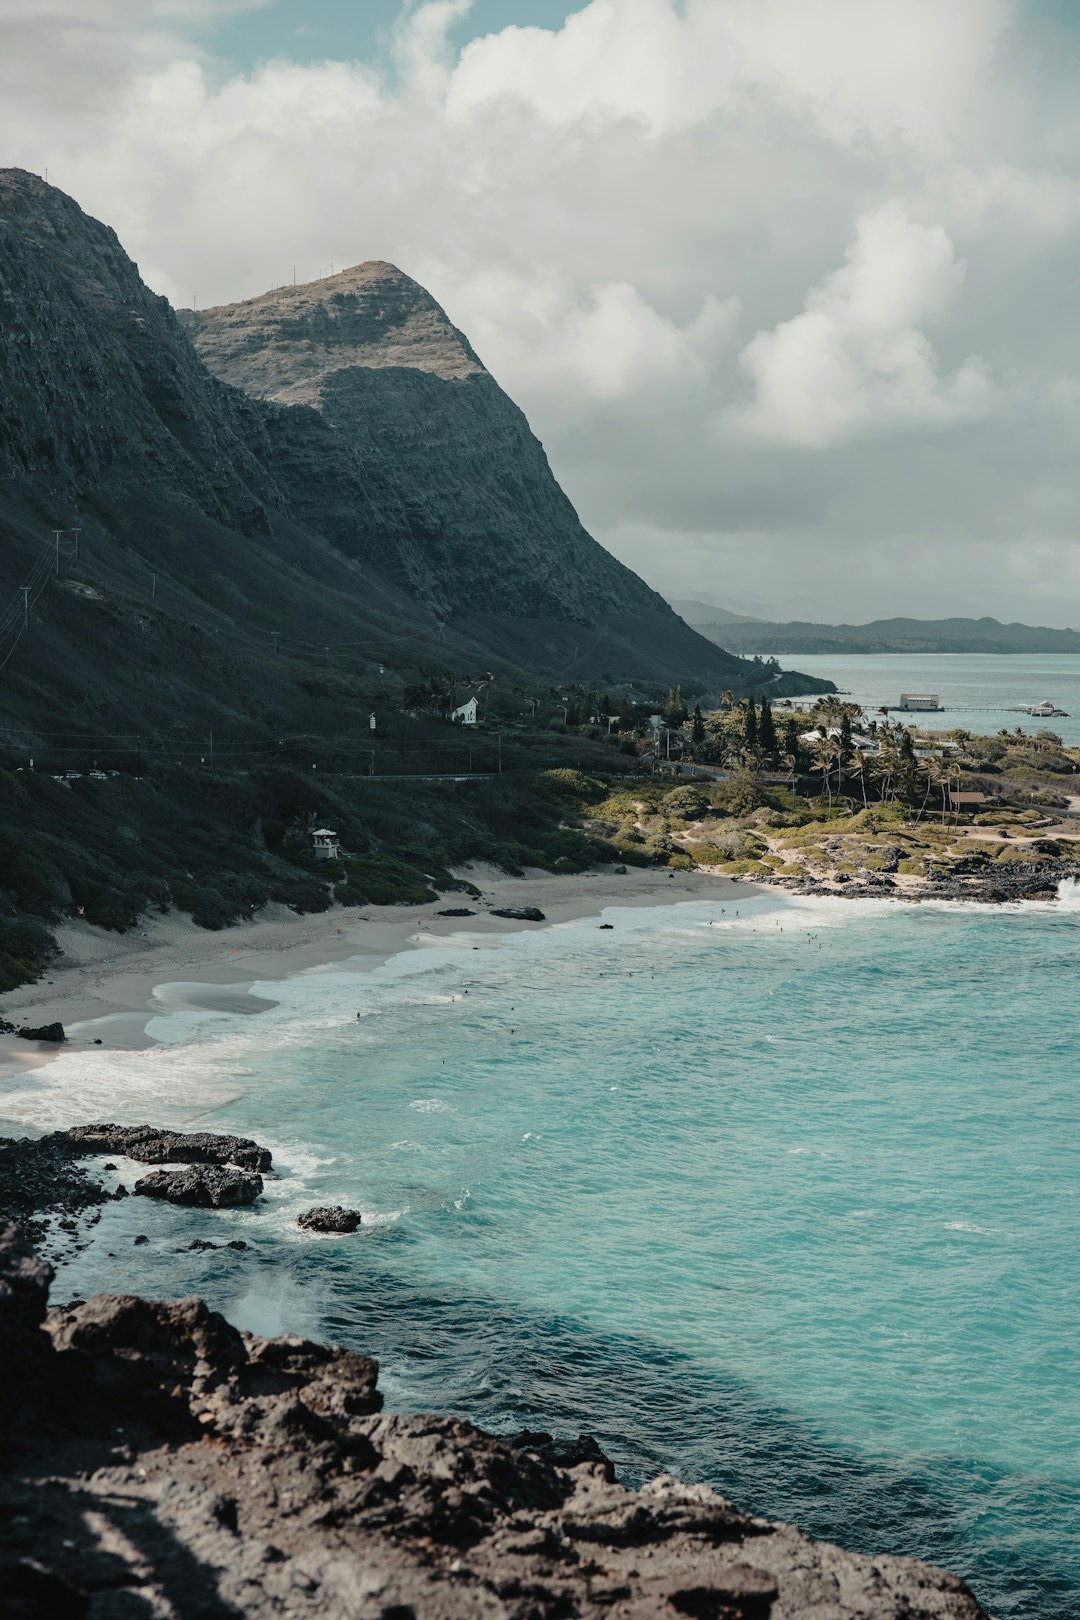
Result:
<point x="106" y="988"/>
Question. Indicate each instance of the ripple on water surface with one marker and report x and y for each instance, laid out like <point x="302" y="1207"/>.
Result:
<point x="786" y="1202"/>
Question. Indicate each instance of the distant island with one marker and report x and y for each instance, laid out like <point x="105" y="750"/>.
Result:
<point x="737" y="633"/>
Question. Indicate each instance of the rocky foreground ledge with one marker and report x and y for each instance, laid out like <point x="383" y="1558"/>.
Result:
<point x="154" y="1461"/>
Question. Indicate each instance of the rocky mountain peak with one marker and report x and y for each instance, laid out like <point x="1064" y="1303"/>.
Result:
<point x="286" y="343"/>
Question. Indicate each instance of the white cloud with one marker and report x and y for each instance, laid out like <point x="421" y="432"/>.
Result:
<point x="607" y="344"/>
<point x="612" y="210"/>
<point x="856" y="359"/>
<point x="880" y="67"/>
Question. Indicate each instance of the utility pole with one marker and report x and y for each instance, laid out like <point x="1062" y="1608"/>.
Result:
<point x="26" y="606"/>
<point x="153" y="587"/>
<point x="276" y="634"/>
<point x="76" y="533"/>
<point x="211" y="749"/>
<point x="56" y="538"/>
<point x="499" y="736"/>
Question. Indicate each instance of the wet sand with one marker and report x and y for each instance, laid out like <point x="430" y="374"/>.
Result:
<point x="107" y="987"/>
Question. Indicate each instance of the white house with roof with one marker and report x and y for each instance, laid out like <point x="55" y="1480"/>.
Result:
<point x="465" y="715"/>
<point x="326" y="845"/>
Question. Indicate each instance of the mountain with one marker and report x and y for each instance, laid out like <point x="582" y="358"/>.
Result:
<point x="888" y="636"/>
<point x="450" y="492"/>
<point x="252" y="560"/>
<point x="696" y="612"/>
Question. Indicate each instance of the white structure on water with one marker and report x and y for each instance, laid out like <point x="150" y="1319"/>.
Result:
<point x="927" y="701"/>
<point x="466" y="714"/>
<point x="326" y="844"/>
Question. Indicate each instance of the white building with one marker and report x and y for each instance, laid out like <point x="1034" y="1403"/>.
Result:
<point x="927" y="701"/>
<point x="466" y="714"/>
<point x="326" y="844"/>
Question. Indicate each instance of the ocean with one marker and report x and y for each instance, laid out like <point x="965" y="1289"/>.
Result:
<point x="980" y="691"/>
<point x="779" y="1194"/>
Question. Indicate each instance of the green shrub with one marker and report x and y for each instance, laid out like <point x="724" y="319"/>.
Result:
<point x="26" y="949"/>
<point x="381" y="880"/>
<point x="707" y="854"/>
<point x="686" y="803"/>
<point x="572" y="785"/>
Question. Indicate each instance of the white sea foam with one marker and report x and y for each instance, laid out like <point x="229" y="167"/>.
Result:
<point x="214" y="1059"/>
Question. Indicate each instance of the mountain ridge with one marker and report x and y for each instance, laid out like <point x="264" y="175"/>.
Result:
<point x="449" y="474"/>
<point x="220" y="530"/>
<point x="895" y="635"/>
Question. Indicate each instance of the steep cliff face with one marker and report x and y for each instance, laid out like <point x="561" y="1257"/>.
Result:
<point x="352" y="476"/>
<point x="458" y="499"/>
<point x="101" y="390"/>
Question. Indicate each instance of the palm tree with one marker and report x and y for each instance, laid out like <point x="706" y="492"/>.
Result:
<point x="727" y="700"/>
<point x="930" y="779"/>
<point x="790" y="763"/>
<point x="828" y="711"/>
<point x="860" y="761"/>
<point x="884" y="766"/>
<point x="943" y="775"/>
<point x="825" y="752"/>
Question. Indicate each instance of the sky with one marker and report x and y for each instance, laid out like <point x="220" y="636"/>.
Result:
<point x="787" y="289"/>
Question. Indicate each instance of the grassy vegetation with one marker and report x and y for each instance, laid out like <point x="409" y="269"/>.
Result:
<point x="220" y="843"/>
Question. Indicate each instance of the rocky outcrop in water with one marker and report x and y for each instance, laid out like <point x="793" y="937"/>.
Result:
<point x="44" y="1175"/>
<point x="53" y="1033"/>
<point x="151" y="1145"/>
<point x="38" y="1176"/>
<point x="329" y="1218"/>
<point x="211" y="1186"/>
<point x="974" y="879"/>
<point x="157" y="1461"/>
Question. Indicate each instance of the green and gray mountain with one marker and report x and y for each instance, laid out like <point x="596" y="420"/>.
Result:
<point x="277" y="498"/>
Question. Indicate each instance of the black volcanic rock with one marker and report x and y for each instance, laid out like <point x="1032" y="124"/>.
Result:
<point x="38" y="1175"/>
<point x="53" y="1033"/>
<point x="156" y="1460"/>
<point x="565" y="1453"/>
<point x="329" y="1218"/>
<point x="210" y="1186"/>
<point x="150" y="1145"/>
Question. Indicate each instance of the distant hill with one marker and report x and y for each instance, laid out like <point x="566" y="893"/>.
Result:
<point x="739" y="635"/>
<point x="699" y="613"/>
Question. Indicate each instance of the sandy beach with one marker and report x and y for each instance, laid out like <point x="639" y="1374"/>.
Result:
<point x="106" y="987"/>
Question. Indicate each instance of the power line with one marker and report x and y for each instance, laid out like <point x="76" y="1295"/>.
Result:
<point x="15" y="622"/>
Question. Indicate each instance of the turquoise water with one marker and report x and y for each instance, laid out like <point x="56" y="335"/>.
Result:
<point x="979" y="690"/>
<point x="786" y="1202"/>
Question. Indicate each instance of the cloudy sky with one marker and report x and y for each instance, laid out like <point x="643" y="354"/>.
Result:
<point x="788" y="288"/>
